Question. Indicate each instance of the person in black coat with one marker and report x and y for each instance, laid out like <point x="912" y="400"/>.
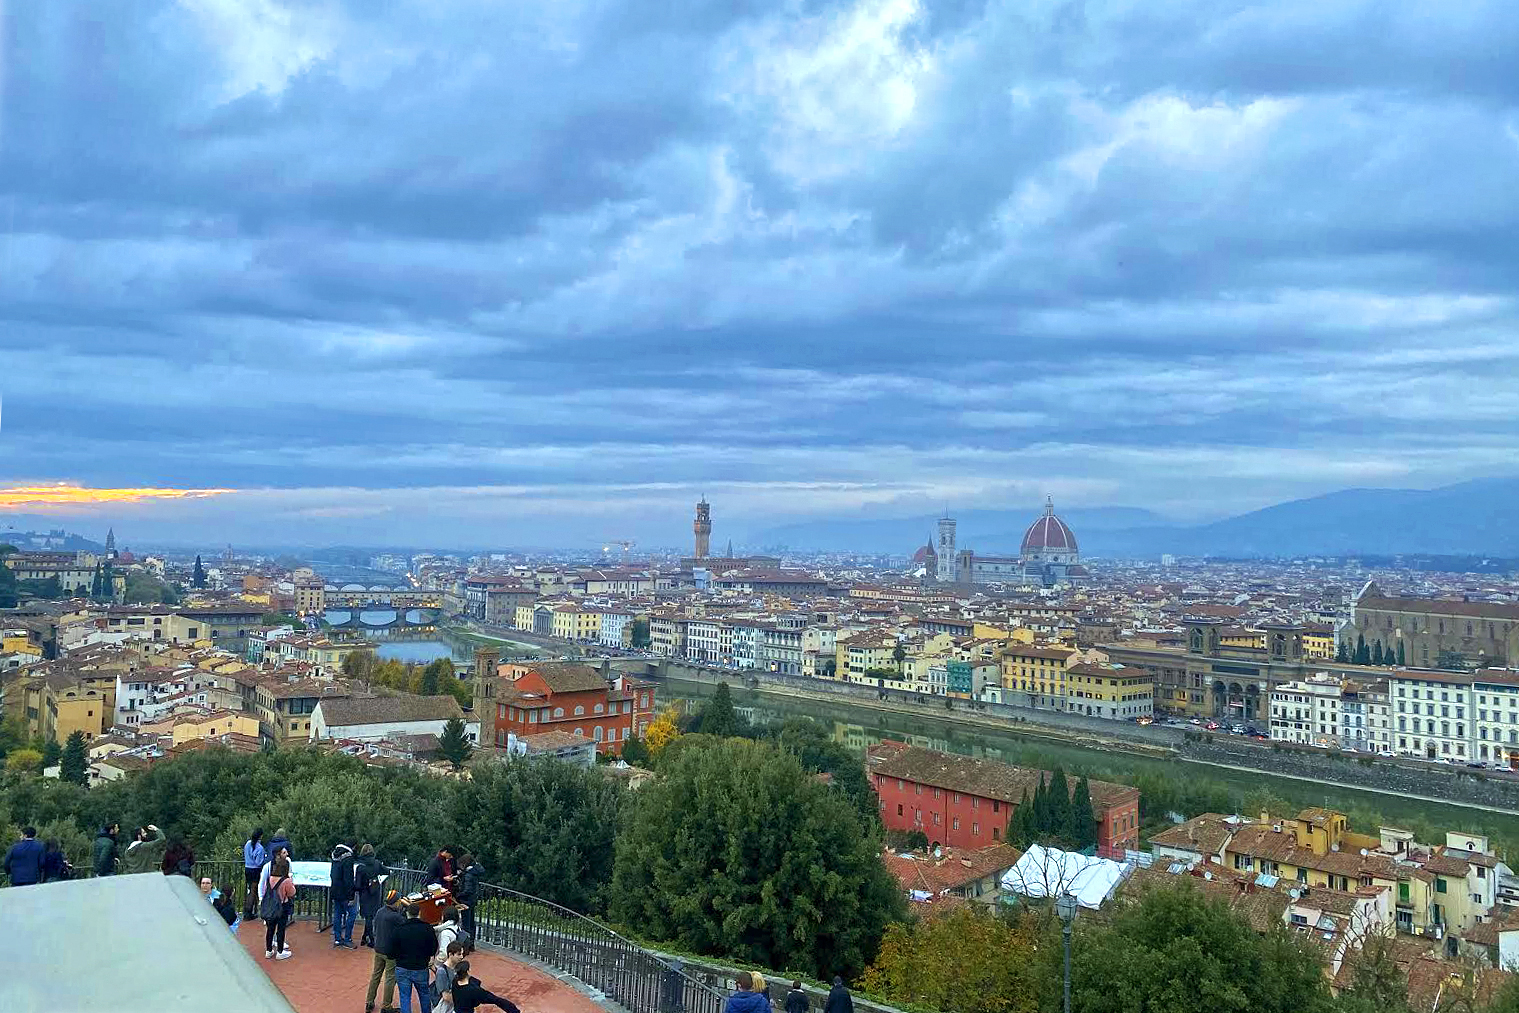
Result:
<point x="441" y="869"/>
<point x="838" y="998"/>
<point x="340" y="888"/>
<point x="367" y="871"/>
<point x="54" y="866"/>
<point x="467" y="891"/>
<point x="796" y="999"/>
<point x="469" y="995"/>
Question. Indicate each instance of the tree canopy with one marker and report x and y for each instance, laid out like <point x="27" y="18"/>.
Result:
<point x="718" y="716"/>
<point x="736" y="849"/>
<point x="966" y="960"/>
<point x="1173" y="950"/>
<point x="453" y="744"/>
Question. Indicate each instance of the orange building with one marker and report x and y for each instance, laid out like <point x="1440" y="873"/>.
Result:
<point x="566" y="697"/>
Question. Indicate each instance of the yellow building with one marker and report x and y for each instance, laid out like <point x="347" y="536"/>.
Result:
<point x="18" y="642"/>
<point x="572" y="622"/>
<point x="522" y="617"/>
<point x="1109" y="691"/>
<point x="1034" y="676"/>
<point x="992" y="631"/>
<point x="1318" y="642"/>
<point x="209" y="725"/>
<point x="1234" y="637"/>
<point x="866" y="651"/>
<point x="81" y="708"/>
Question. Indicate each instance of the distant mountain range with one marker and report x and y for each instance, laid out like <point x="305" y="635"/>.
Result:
<point x="1479" y="517"/>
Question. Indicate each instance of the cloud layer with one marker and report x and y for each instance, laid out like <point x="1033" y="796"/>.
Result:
<point x="526" y="271"/>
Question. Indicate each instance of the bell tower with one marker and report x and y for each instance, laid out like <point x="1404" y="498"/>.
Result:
<point x="703" y="528"/>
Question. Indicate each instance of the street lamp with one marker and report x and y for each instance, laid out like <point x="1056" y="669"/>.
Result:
<point x="1066" y="907"/>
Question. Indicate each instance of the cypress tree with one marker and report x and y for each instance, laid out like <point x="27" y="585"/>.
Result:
<point x="1376" y="653"/>
<point x="95" y="583"/>
<point x="198" y="575"/>
<point x="1039" y="823"/>
<point x="1401" y="659"/>
<point x="1019" y="833"/>
<point x="75" y="761"/>
<point x="1083" y="820"/>
<point x="1362" y="652"/>
<point x="1059" y="825"/>
<point x="1342" y="654"/>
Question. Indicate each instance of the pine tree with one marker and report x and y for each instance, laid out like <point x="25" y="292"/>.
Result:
<point x="198" y="575"/>
<point x="75" y="760"/>
<point x="453" y="744"/>
<point x="1376" y="653"/>
<point x="1402" y="660"/>
<point x="52" y="753"/>
<point x="1059" y="802"/>
<point x="1083" y="820"/>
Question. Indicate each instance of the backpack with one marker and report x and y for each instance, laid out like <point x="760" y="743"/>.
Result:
<point x="269" y="908"/>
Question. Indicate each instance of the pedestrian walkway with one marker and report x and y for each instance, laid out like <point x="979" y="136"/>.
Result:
<point x="320" y="979"/>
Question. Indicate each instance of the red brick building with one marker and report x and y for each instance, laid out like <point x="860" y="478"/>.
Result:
<point x="964" y="802"/>
<point x="565" y="697"/>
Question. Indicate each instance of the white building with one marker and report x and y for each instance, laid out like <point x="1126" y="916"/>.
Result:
<point x="1497" y="692"/>
<point x="1434" y="713"/>
<point x="1310" y="711"/>
<point x="1378" y="718"/>
<point x="365" y="719"/>
<point x="746" y="637"/>
<point x="703" y="641"/>
<point x="613" y="623"/>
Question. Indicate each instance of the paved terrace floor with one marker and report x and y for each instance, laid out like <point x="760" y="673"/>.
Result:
<point x="320" y="979"/>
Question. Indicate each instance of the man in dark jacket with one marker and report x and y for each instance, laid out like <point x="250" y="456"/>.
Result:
<point x="340" y="887"/>
<point x="103" y="857"/>
<point x="796" y="999"/>
<point x="441" y="869"/>
<point x="278" y="841"/>
<point x="838" y="998"/>
<point x="467" y="891"/>
<point x="746" y="1000"/>
<point x="367" y="871"/>
<point x="386" y="921"/>
<point x="23" y="862"/>
<point x="413" y="944"/>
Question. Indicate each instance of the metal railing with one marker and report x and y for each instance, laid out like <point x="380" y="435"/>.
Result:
<point x="522" y="925"/>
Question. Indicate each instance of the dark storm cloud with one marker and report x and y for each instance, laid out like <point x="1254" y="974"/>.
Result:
<point x="1191" y="255"/>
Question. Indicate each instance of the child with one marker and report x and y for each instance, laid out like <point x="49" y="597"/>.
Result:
<point x="443" y="980"/>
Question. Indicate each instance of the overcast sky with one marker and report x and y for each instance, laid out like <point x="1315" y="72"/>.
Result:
<point x="546" y="272"/>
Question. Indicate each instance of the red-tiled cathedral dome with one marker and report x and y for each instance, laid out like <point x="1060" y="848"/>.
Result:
<point x="1048" y="534"/>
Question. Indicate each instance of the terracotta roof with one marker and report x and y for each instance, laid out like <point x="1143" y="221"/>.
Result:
<point x="1049" y="533"/>
<point x="974" y="776"/>
<point x="377" y="710"/>
<point x="1440" y="606"/>
<point x="1206" y="834"/>
<point x="569" y="677"/>
<point x="952" y="870"/>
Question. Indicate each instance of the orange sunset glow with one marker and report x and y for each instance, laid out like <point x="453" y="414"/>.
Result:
<point x="78" y="495"/>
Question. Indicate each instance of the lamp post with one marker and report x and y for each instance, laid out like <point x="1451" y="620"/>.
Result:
<point x="1065" y="907"/>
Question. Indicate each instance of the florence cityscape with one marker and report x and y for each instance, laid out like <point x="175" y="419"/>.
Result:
<point x="760" y="508"/>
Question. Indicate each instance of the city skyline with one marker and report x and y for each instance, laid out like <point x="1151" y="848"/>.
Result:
<point x="346" y="274"/>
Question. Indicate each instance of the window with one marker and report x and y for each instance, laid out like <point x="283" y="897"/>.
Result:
<point x="975" y="828"/>
<point x="598" y="733"/>
<point x="599" y="708"/>
<point x="899" y="809"/>
<point x="1439" y="884"/>
<point x="936" y="819"/>
<point x="579" y="710"/>
<point x="917" y="789"/>
<point x="558" y="712"/>
<point x="975" y="803"/>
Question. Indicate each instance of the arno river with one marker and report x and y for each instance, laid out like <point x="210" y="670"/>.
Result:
<point x="858" y="728"/>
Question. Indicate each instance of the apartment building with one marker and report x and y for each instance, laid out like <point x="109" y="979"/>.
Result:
<point x="567" y="697"/>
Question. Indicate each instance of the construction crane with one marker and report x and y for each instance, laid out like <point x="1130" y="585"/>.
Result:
<point x="625" y="544"/>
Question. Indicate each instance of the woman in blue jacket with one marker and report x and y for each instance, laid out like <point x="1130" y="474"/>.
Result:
<point x="254" y="857"/>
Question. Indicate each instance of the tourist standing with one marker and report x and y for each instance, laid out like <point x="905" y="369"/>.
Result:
<point x="340" y="888"/>
<point x="838" y="998"/>
<point x="367" y="873"/>
<point x="103" y="855"/>
<point x="179" y="860"/>
<point x="745" y="999"/>
<point x="146" y="851"/>
<point x="468" y="995"/>
<point x="441" y="869"/>
<point x="467" y="892"/>
<point x="276" y="906"/>
<point x="761" y="986"/>
<point x="443" y="977"/>
<point x="386" y="921"/>
<point x="55" y="867"/>
<point x="23" y="862"/>
<point x="796" y="999"/>
<point x="281" y="840"/>
<point x="414" y="946"/>
<point x="254" y="857"/>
